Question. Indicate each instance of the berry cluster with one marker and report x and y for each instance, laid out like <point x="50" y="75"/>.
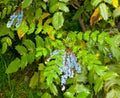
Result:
<point x="18" y="17"/>
<point x="69" y="66"/>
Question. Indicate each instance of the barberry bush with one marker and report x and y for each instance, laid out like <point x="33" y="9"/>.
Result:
<point x="62" y="48"/>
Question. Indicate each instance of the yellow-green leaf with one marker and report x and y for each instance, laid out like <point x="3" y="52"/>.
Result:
<point x="115" y="3"/>
<point x="34" y="80"/>
<point x="103" y="11"/>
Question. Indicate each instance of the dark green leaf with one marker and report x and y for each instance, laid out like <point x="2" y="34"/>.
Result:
<point x="78" y="13"/>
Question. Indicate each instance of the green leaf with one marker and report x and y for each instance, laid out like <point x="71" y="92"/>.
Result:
<point x="58" y="20"/>
<point x="108" y="1"/>
<point x="29" y="44"/>
<point x="32" y="28"/>
<point x="53" y="89"/>
<point x="34" y="80"/>
<point x="4" y="47"/>
<point x="100" y="69"/>
<point x="31" y="57"/>
<point x="26" y="3"/>
<point x="83" y="95"/>
<point x="23" y="62"/>
<point x="94" y="35"/>
<point x="39" y="29"/>
<point x="95" y="2"/>
<point x="82" y="88"/>
<point x="109" y="75"/>
<point x="87" y="35"/>
<point x="54" y="8"/>
<point x="13" y="66"/>
<point x="78" y="13"/>
<point x="21" y="49"/>
<point x="9" y="8"/>
<point x="68" y="95"/>
<point x="39" y="41"/>
<point x="116" y="52"/>
<point x="72" y="89"/>
<point x="80" y="35"/>
<point x="91" y="77"/>
<point x="111" y="94"/>
<point x="64" y="1"/>
<point x="38" y="13"/>
<point x="103" y="11"/>
<point x="4" y="12"/>
<point x="116" y="12"/>
<point x="46" y="95"/>
<point x="63" y="7"/>
<point x="98" y="85"/>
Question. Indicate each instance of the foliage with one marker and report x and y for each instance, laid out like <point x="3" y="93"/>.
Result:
<point x="33" y="29"/>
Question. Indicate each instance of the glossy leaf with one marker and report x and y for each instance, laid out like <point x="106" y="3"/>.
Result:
<point x="58" y="20"/>
<point x="13" y="66"/>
